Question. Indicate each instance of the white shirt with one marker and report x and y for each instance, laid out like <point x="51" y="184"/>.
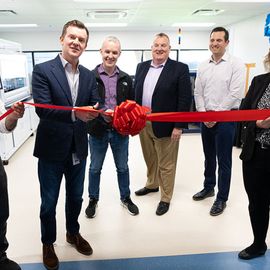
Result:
<point x="3" y="128"/>
<point x="219" y="86"/>
<point x="72" y="77"/>
<point x="150" y="83"/>
<point x="73" y="82"/>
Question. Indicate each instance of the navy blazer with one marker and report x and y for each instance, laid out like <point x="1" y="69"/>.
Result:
<point x="171" y="94"/>
<point x="250" y="102"/>
<point x="57" y="135"/>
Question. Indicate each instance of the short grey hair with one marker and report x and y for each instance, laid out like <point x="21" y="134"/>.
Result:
<point x="160" y="35"/>
<point x="112" y="39"/>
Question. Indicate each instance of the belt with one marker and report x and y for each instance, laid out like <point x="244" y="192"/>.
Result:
<point x="263" y="146"/>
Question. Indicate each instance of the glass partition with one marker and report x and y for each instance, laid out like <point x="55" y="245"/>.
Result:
<point x="14" y="78"/>
<point x="193" y="58"/>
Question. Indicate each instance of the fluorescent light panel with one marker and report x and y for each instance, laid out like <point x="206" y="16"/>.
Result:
<point x="106" y="1"/>
<point x="192" y="24"/>
<point x="16" y="25"/>
<point x="244" y="1"/>
<point x="105" y="24"/>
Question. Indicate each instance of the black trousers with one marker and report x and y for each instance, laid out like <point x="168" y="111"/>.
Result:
<point x="4" y="211"/>
<point x="256" y="174"/>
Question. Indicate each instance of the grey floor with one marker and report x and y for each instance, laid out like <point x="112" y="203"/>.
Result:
<point x="186" y="232"/>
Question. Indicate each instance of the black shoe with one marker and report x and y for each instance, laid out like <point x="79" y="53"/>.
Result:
<point x="131" y="207"/>
<point x="252" y="252"/>
<point x="90" y="211"/>
<point x="7" y="264"/>
<point x="205" y="193"/>
<point x="217" y="208"/>
<point x="162" y="208"/>
<point x="145" y="191"/>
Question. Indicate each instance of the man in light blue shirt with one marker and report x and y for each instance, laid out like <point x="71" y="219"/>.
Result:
<point x="219" y="86"/>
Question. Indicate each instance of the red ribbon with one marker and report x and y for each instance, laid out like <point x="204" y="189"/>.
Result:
<point x="6" y="114"/>
<point x="219" y="116"/>
<point x="129" y="118"/>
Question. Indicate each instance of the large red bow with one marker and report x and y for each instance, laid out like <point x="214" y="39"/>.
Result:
<point x="129" y="118"/>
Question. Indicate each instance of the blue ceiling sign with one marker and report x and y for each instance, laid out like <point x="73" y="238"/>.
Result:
<point x="267" y="27"/>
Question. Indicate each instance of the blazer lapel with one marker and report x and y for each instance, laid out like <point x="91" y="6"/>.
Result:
<point x="163" y="75"/>
<point x="59" y="74"/>
<point x="139" y="79"/>
<point x="145" y="71"/>
<point x="262" y="87"/>
<point x="81" y="88"/>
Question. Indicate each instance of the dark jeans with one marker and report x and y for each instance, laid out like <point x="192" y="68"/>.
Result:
<point x="217" y="146"/>
<point x="50" y="175"/>
<point x="98" y="149"/>
<point x="4" y="211"/>
<point x="256" y="174"/>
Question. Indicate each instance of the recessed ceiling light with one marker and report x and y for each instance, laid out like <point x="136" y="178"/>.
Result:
<point x="244" y="1"/>
<point x="105" y="24"/>
<point x="184" y="24"/>
<point x="6" y="12"/>
<point x="15" y="25"/>
<point x="107" y="1"/>
<point x="106" y="14"/>
<point x="207" y="12"/>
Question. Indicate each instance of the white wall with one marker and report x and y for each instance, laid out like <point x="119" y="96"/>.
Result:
<point x="130" y="40"/>
<point x="249" y="42"/>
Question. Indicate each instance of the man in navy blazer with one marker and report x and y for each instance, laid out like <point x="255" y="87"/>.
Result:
<point x="61" y="141"/>
<point x="163" y="85"/>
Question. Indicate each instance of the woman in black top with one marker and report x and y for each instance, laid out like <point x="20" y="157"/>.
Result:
<point x="256" y="163"/>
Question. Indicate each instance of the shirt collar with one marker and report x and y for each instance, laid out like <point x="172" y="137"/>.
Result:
<point x="158" y="66"/>
<point x="65" y="63"/>
<point x="225" y="58"/>
<point x="101" y="70"/>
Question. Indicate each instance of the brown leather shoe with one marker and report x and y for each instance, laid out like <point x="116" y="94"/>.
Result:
<point x="50" y="259"/>
<point x="80" y="243"/>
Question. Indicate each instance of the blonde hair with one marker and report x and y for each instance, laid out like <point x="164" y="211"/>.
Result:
<point x="267" y="61"/>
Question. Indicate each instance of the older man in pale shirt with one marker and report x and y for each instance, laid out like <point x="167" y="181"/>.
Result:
<point x="219" y="86"/>
<point x="163" y="85"/>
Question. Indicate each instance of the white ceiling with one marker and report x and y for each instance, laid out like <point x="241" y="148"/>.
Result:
<point x="145" y="15"/>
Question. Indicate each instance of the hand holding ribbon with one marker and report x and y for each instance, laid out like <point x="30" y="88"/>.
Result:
<point x="263" y="123"/>
<point x="108" y="116"/>
<point x="87" y="113"/>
